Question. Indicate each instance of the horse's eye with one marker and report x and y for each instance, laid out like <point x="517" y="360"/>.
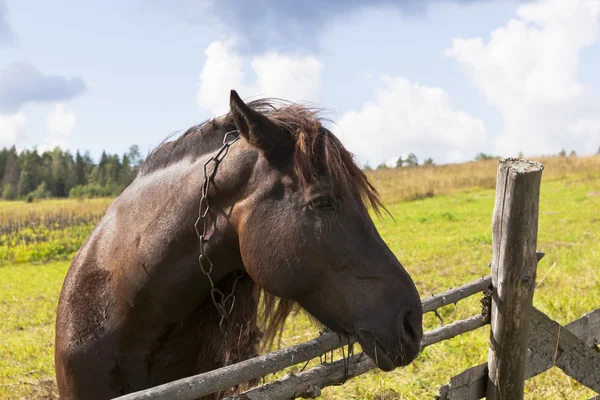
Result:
<point x="322" y="203"/>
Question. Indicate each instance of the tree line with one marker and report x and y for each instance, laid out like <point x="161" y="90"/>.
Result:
<point x="411" y="160"/>
<point x="29" y="175"/>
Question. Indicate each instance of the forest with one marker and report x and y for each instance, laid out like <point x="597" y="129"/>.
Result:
<point x="29" y="175"/>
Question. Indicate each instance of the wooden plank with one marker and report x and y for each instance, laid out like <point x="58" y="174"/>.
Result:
<point x="309" y="383"/>
<point x="471" y="383"/>
<point x="587" y="328"/>
<point x="561" y="347"/>
<point x="514" y="264"/>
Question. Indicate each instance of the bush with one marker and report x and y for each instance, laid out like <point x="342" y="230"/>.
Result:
<point x="41" y="192"/>
<point x="94" y="190"/>
<point x="9" y="193"/>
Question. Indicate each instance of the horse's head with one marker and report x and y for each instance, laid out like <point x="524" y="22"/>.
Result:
<point x="305" y="234"/>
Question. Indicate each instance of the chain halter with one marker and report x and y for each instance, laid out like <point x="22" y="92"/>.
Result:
<point x="223" y="303"/>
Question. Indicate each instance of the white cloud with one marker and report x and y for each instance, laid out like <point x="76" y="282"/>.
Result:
<point x="60" y="124"/>
<point x="222" y="72"/>
<point x="12" y="129"/>
<point x="409" y="117"/>
<point x="294" y="78"/>
<point x="528" y="71"/>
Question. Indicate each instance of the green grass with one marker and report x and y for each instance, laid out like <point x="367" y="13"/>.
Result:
<point x="28" y="298"/>
<point x="443" y="242"/>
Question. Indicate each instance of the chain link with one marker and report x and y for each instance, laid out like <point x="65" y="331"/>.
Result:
<point x="223" y="303"/>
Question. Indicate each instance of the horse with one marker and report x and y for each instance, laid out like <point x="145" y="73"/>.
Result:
<point x="237" y="221"/>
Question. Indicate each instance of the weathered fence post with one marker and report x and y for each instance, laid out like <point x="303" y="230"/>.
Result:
<point x="514" y="263"/>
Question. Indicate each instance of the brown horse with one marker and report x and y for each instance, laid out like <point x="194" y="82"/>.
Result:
<point x="287" y="205"/>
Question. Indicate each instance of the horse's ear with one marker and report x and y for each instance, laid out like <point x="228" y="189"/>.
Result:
<point x="258" y="129"/>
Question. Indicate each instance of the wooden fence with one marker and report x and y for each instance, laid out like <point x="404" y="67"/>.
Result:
<point x="524" y="342"/>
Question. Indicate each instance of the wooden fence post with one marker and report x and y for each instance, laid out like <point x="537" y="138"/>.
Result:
<point x="514" y="263"/>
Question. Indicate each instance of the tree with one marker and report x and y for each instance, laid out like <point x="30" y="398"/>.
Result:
<point x="60" y="176"/>
<point x="98" y="173"/>
<point x="45" y="169"/>
<point x="69" y="168"/>
<point x="11" y="170"/>
<point x="411" y="160"/>
<point x="572" y="154"/>
<point x="80" y="170"/>
<point x="483" y="156"/>
<point x="112" y="168"/>
<point x="135" y="159"/>
<point x="26" y="183"/>
<point x="428" y="161"/>
<point x="134" y="155"/>
<point x="3" y="158"/>
<point x="125" y="174"/>
<point x="563" y="153"/>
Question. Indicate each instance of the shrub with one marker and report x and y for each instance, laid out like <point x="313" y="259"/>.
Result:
<point x="9" y="193"/>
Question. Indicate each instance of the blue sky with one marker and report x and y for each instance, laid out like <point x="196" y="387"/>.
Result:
<point x="443" y="79"/>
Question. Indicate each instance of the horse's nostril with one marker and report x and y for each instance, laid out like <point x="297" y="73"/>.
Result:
<point x="408" y="328"/>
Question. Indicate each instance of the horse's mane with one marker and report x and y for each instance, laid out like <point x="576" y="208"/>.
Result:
<point x="317" y="152"/>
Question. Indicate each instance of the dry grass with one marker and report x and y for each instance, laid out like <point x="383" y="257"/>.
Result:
<point x="46" y="230"/>
<point x="20" y="211"/>
<point x="406" y="184"/>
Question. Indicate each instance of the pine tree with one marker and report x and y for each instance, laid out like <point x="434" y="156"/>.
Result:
<point x="11" y="170"/>
<point x="3" y="157"/>
<point x="126" y="174"/>
<point x="101" y="170"/>
<point x="80" y="170"/>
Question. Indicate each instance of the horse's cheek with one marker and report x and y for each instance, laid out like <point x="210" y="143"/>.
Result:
<point x="270" y="258"/>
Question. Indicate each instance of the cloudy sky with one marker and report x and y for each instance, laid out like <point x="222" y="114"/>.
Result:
<point x="442" y="79"/>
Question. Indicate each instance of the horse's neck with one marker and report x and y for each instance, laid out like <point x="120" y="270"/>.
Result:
<point x="152" y="227"/>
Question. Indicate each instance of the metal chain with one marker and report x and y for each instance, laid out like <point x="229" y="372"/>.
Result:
<point x="223" y="303"/>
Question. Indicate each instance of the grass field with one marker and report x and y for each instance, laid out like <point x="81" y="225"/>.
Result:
<point x="443" y="241"/>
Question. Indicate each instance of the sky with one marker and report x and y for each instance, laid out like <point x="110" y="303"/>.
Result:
<point x="439" y="78"/>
